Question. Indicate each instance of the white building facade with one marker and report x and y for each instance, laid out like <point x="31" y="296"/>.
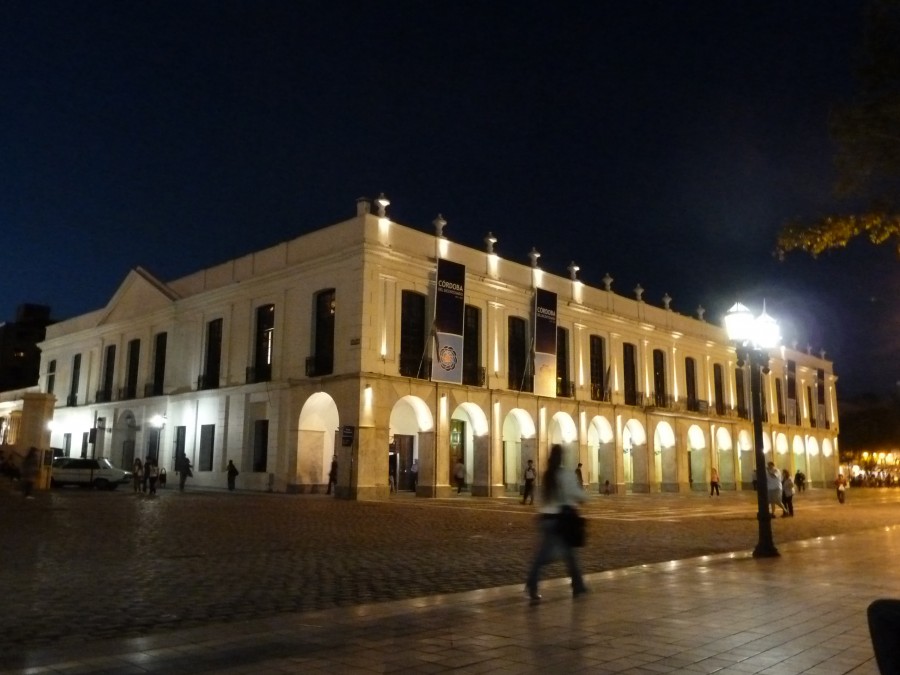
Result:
<point x="323" y="347"/>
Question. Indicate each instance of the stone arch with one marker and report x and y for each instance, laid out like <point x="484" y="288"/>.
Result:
<point x="519" y="445"/>
<point x="317" y="427"/>
<point x="697" y="457"/>
<point x="469" y="440"/>
<point x="410" y="417"/>
<point x="562" y="431"/>
<point x="817" y="469"/>
<point x="664" y="457"/>
<point x="634" y="456"/>
<point x="801" y="457"/>
<point x="602" y="452"/>
<point x="728" y="477"/>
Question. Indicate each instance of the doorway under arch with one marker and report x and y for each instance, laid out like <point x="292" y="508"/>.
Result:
<point x="317" y="427"/>
<point x="519" y="445"/>
<point x="602" y="448"/>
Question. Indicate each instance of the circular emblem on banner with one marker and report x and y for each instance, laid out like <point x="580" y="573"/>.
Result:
<point x="447" y="357"/>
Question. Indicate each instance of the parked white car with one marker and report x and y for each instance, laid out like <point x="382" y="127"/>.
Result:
<point x="98" y="473"/>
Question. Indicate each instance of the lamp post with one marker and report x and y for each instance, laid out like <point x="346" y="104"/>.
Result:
<point x="751" y="337"/>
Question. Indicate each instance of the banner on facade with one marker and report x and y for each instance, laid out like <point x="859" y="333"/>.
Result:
<point x="544" y="343"/>
<point x="449" y="310"/>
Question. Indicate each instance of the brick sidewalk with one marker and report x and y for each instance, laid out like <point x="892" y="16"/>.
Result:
<point x="83" y="566"/>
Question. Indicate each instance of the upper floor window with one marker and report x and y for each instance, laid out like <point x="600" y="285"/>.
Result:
<point x="109" y="370"/>
<point x="660" y="393"/>
<point x="74" y="383"/>
<point x="51" y="375"/>
<point x="719" y="388"/>
<point x="157" y="387"/>
<point x="473" y="373"/>
<point x="690" y="383"/>
<point x="322" y="360"/>
<point x="599" y="375"/>
<point x="209" y="378"/>
<point x="741" y="393"/>
<point x="793" y="410"/>
<point x="517" y="355"/>
<point x="133" y="367"/>
<point x="413" y="359"/>
<point x="629" y="373"/>
<point x="263" y="344"/>
<point x="563" y="386"/>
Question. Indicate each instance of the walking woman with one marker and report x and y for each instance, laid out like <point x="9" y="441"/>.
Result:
<point x="559" y="488"/>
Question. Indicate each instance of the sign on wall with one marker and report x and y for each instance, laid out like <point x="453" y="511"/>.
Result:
<point x="449" y="310"/>
<point x="544" y="343"/>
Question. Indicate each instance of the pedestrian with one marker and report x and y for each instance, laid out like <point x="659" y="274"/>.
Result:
<point x="787" y="492"/>
<point x="153" y="475"/>
<point x="606" y="489"/>
<point x="530" y="475"/>
<point x="459" y="474"/>
<point x="414" y="474"/>
<point x="332" y="475"/>
<point x="137" y="474"/>
<point x="184" y="471"/>
<point x="559" y="488"/>
<point x="31" y="467"/>
<point x="840" y="483"/>
<point x="579" y="476"/>
<point x="798" y="481"/>
<point x="773" y="484"/>
<point x="714" y="481"/>
<point x="162" y="478"/>
<point x="145" y="476"/>
<point x="232" y="472"/>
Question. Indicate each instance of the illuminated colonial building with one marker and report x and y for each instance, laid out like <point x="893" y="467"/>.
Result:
<point x="324" y="345"/>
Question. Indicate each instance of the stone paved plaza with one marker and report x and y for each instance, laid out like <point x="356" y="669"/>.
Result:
<point x="88" y="568"/>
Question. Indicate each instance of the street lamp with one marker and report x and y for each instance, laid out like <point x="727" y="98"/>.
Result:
<point x="752" y="336"/>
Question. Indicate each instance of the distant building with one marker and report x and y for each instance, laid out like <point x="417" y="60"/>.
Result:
<point x="381" y="345"/>
<point x="20" y="358"/>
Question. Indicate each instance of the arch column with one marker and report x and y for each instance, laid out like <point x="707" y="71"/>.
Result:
<point x="481" y="471"/>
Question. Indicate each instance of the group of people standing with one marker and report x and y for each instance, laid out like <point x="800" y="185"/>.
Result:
<point x="147" y="474"/>
<point x="780" y="487"/>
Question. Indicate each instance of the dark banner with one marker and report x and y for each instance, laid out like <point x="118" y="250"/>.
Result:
<point x="449" y="310"/>
<point x="544" y="343"/>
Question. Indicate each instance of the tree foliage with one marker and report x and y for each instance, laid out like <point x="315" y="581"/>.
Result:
<point x="866" y="133"/>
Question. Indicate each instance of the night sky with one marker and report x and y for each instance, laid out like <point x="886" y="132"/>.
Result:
<point x="662" y="142"/>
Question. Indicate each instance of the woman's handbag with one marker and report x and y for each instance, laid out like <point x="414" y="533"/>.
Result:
<point x="570" y="525"/>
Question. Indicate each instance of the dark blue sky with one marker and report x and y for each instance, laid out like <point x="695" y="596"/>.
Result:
<point x="662" y="142"/>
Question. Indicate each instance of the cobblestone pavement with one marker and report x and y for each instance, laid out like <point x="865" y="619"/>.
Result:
<point x="80" y="565"/>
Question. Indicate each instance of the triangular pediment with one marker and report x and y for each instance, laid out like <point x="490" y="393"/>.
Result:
<point x="138" y="295"/>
